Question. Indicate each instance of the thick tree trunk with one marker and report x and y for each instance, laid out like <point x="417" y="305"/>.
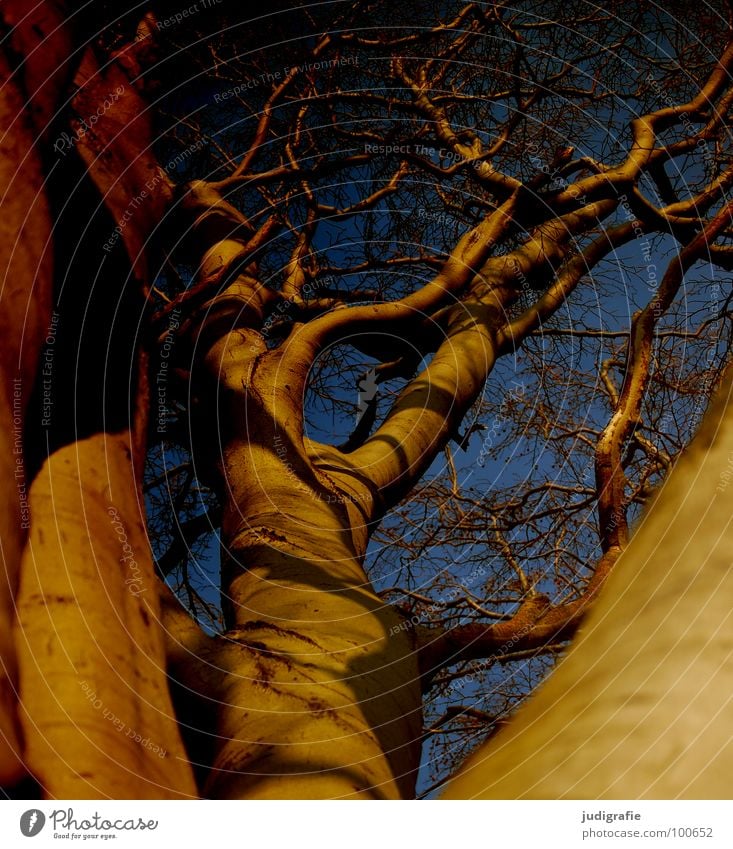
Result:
<point x="25" y="306"/>
<point x="96" y="714"/>
<point x="95" y="706"/>
<point x="642" y="707"/>
<point x="321" y="694"/>
<point x="321" y="697"/>
<point x="32" y="79"/>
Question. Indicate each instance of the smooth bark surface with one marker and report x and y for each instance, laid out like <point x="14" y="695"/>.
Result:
<point x="643" y="705"/>
<point x="36" y="62"/>
<point x="96" y="712"/>
<point x="256" y="232"/>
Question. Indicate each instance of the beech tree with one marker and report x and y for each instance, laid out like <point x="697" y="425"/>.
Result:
<point x="344" y="347"/>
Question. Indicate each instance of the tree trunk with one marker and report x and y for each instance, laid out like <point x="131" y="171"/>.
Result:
<point x="33" y="77"/>
<point x="642" y="706"/>
<point x="96" y="714"/>
<point x="96" y="711"/>
<point x="321" y="695"/>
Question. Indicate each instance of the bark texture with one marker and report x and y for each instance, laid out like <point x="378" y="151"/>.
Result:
<point x="35" y="65"/>
<point x="642" y="706"/>
<point x="320" y="694"/>
<point x="96" y="711"/>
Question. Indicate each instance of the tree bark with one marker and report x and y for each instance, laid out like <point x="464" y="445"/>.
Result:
<point x="321" y="692"/>
<point x="641" y="707"/>
<point x="33" y="78"/>
<point x="96" y="710"/>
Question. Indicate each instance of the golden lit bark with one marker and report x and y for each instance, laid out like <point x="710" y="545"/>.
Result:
<point x="642" y="706"/>
<point x="320" y="696"/>
<point x="96" y="711"/>
<point x="314" y="688"/>
<point x="25" y="305"/>
<point x="31" y="80"/>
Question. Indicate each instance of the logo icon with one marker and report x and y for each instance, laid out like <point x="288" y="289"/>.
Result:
<point x="368" y="388"/>
<point x="31" y="822"/>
